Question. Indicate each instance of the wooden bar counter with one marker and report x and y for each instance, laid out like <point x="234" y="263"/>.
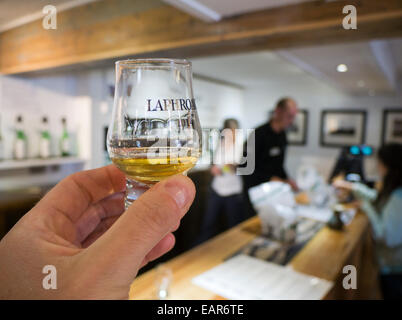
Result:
<point x="324" y="256"/>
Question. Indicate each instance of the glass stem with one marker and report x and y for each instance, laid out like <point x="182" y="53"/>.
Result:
<point x="134" y="189"/>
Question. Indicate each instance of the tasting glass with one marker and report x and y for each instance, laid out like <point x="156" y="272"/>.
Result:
<point x="155" y="131"/>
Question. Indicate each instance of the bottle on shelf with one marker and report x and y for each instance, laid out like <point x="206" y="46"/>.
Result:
<point x="44" y="144"/>
<point x="65" y="140"/>
<point x="20" y="143"/>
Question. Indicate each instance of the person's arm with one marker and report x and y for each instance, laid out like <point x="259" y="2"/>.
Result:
<point x="392" y="220"/>
<point x="363" y="192"/>
<point x="386" y="224"/>
<point x="282" y="173"/>
<point x="367" y="195"/>
<point x="377" y="221"/>
<point x="283" y="170"/>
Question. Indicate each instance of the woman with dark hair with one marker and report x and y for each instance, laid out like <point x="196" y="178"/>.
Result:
<point x="225" y="195"/>
<point x="384" y="209"/>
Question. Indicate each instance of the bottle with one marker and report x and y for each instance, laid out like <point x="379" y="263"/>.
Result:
<point x="336" y="222"/>
<point x="65" y="140"/>
<point x="44" y="144"/>
<point x="1" y="145"/>
<point x="20" y="144"/>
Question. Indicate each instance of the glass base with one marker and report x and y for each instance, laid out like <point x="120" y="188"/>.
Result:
<point x="134" y="189"/>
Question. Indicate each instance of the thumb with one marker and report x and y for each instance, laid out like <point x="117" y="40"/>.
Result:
<point x="145" y="223"/>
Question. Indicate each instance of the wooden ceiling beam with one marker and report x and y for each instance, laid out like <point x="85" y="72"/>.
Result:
<point x="119" y="28"/>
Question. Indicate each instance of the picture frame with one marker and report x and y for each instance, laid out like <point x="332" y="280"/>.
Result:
<point x="339" y="128"/>
<point x="392" y="126"/>
<point x="297" y="133"/>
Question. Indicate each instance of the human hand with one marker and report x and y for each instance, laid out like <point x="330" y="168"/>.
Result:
<point x="81" y="228"/>
<point x="293" y="185"/>
<point x="216" y="171"/>
<point x="231" y="167"/>
<point x="275" y="178"/>
<point x="355" y="204"/>
<point x="342" y="184"/>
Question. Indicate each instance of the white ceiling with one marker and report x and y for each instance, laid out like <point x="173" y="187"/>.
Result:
<point x="215" y="10"/>
<point x="247" y="69"/>
<point x="364" y="76"/>
<point x="396" y="49"/>
<point x="363" y="67"/>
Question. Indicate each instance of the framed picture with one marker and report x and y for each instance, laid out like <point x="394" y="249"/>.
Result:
<point x="392" y="126"/>
<point x="297" y="133"/>
<point x="342" y="127"/>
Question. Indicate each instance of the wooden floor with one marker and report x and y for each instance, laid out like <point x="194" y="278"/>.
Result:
<point x="324" y="256"/>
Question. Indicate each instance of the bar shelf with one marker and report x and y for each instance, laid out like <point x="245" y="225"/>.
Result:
<point x="36" y="162"/>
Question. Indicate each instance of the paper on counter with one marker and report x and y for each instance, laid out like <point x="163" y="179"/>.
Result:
<point x="324" y="214"/>
<point x="248" y="278"/>
<point x="315" y="213"/>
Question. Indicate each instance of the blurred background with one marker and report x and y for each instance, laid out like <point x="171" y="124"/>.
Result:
<point x="57" y="81"/>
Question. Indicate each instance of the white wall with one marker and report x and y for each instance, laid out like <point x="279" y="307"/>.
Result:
<point x="216" y="102"/>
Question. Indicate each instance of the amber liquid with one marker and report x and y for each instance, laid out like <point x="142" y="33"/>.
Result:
<point x="148" y="162"/>
<point x="151" y="171"/>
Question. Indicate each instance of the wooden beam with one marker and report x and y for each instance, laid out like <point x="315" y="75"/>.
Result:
<point x="120" y="28"/>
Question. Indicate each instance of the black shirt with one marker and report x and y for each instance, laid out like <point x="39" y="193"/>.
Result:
<point x="270" y="148"/>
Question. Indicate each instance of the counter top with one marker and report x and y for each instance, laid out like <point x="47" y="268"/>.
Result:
<point x="324" y="256"/>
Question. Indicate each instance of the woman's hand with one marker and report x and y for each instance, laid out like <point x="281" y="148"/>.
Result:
<point x="342" y="184"/>
<point x="216" y="171"/>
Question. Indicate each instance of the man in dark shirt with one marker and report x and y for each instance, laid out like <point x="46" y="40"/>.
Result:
<point x="270" y="149"/>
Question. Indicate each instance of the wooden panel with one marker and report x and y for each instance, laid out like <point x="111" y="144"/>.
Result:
<point x="324" y="256"/>
<point x="120" y="28"/>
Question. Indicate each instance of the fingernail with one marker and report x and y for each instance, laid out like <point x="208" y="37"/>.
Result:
<point x="178" y="193"/>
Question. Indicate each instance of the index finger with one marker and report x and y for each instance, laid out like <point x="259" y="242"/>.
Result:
<point x="74" y="194"/>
